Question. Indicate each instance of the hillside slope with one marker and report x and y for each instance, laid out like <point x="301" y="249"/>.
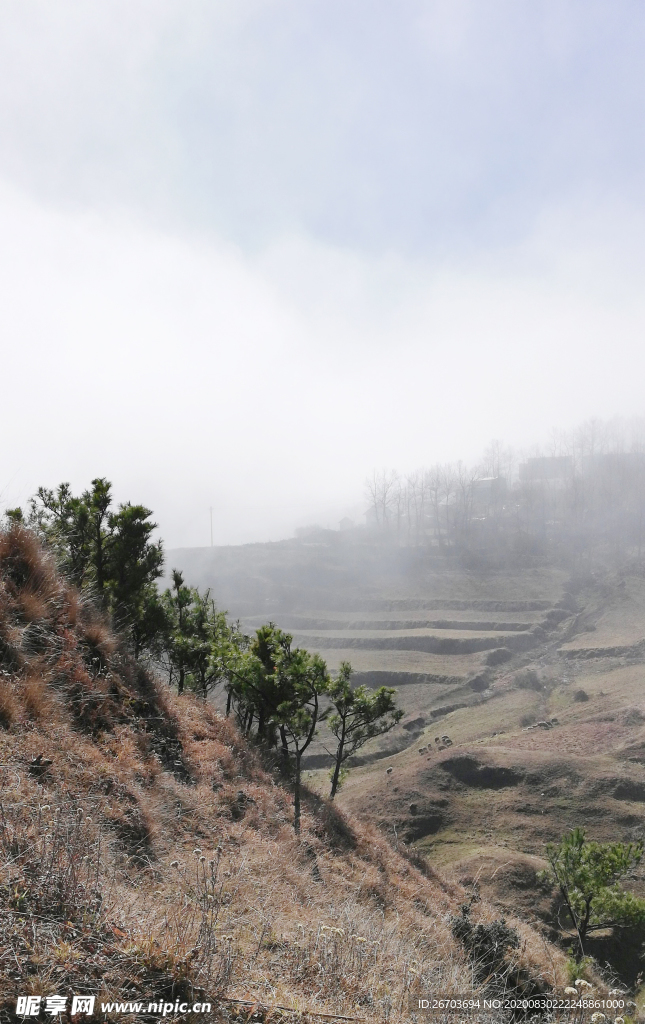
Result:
<point x="486" y="806"/>
<point x="146" y="853"/>
<point x="482" y="656"/>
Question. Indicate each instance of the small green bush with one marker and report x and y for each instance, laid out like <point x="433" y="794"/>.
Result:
<point x="578" y="968"/>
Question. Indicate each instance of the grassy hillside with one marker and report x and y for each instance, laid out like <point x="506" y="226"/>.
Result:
<point x="147" y="853"/>
<point x="480" y="656"/>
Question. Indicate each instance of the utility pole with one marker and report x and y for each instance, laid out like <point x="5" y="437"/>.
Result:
<point x="211" y="525"/>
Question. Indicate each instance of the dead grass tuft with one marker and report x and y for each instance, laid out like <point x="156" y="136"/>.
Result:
<point x="418" y="860"/>
<point x="36" y="697"/>
<point x="33" y="607"/>
<point x="96" y="640"/>
<point x="8" y="703"/>
<point x="26" y="566"/>
<point x="10" y="657"/>
<point x="332" y="825"/>
<point x="134" y="830"/>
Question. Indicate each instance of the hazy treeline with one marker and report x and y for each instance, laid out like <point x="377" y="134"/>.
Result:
<point x="583" y="492"/>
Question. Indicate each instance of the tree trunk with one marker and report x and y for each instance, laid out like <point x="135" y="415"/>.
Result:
<point x="100" y="560"/>
<point x="575" y="920"/>
<point x="335" y="777"/>
<point x="285" y="745"/>
<point x="180" y="682"/>
<point x="583" y="925"/>
<point x="296" y="795"/>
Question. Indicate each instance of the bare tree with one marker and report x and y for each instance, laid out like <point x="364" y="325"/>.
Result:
<point x="439" y="489"/>
<point x="464" y="501"/>
<point x="416" y="507"/>
<point x="381" y="491"/>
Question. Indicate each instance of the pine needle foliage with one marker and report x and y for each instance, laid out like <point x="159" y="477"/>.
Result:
<point x="588" y="876"/>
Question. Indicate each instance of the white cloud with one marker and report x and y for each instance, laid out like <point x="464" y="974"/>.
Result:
<point x="269" y="385"/>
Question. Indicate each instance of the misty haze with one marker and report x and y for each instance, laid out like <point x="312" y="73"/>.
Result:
<point x="322" y="511"/>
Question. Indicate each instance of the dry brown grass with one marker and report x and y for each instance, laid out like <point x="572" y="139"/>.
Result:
<point x="155" y="858"/>
<point x="35" y="696"/>
<point x="8" y="704"/>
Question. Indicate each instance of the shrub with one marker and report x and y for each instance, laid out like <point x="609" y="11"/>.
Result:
<point x="581" y="696"/>
<point x="486" y="944"/>
<point x="498" y="656"/>
<point x="528" y="680"/>
<point x="480" y="682"/>
<point x="578" y="968"/>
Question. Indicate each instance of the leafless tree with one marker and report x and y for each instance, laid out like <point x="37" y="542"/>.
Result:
<point x="382" y="493"/>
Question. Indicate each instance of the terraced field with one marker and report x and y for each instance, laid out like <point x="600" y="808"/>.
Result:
<point x="446" y="648"/>
<point x="440" y="653"/>
<point x="613" y="621"/>
<point x="436" y="632"/>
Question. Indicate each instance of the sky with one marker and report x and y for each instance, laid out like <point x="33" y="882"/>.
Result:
<point x="253" y="250"/>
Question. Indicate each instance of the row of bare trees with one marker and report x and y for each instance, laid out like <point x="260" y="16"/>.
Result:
<point x="583" y="491"/>
<point x="426" y="505"/>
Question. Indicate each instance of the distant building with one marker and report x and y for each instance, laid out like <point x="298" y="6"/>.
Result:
<point x="489" y="489"/>
<point x="614" y="464"/>
<point x="556" y="470"/>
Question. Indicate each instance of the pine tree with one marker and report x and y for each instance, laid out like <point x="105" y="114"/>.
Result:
<point x="357" y="716"/>
<point x="110" y="553"/>
<point x="588" y="876"/>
